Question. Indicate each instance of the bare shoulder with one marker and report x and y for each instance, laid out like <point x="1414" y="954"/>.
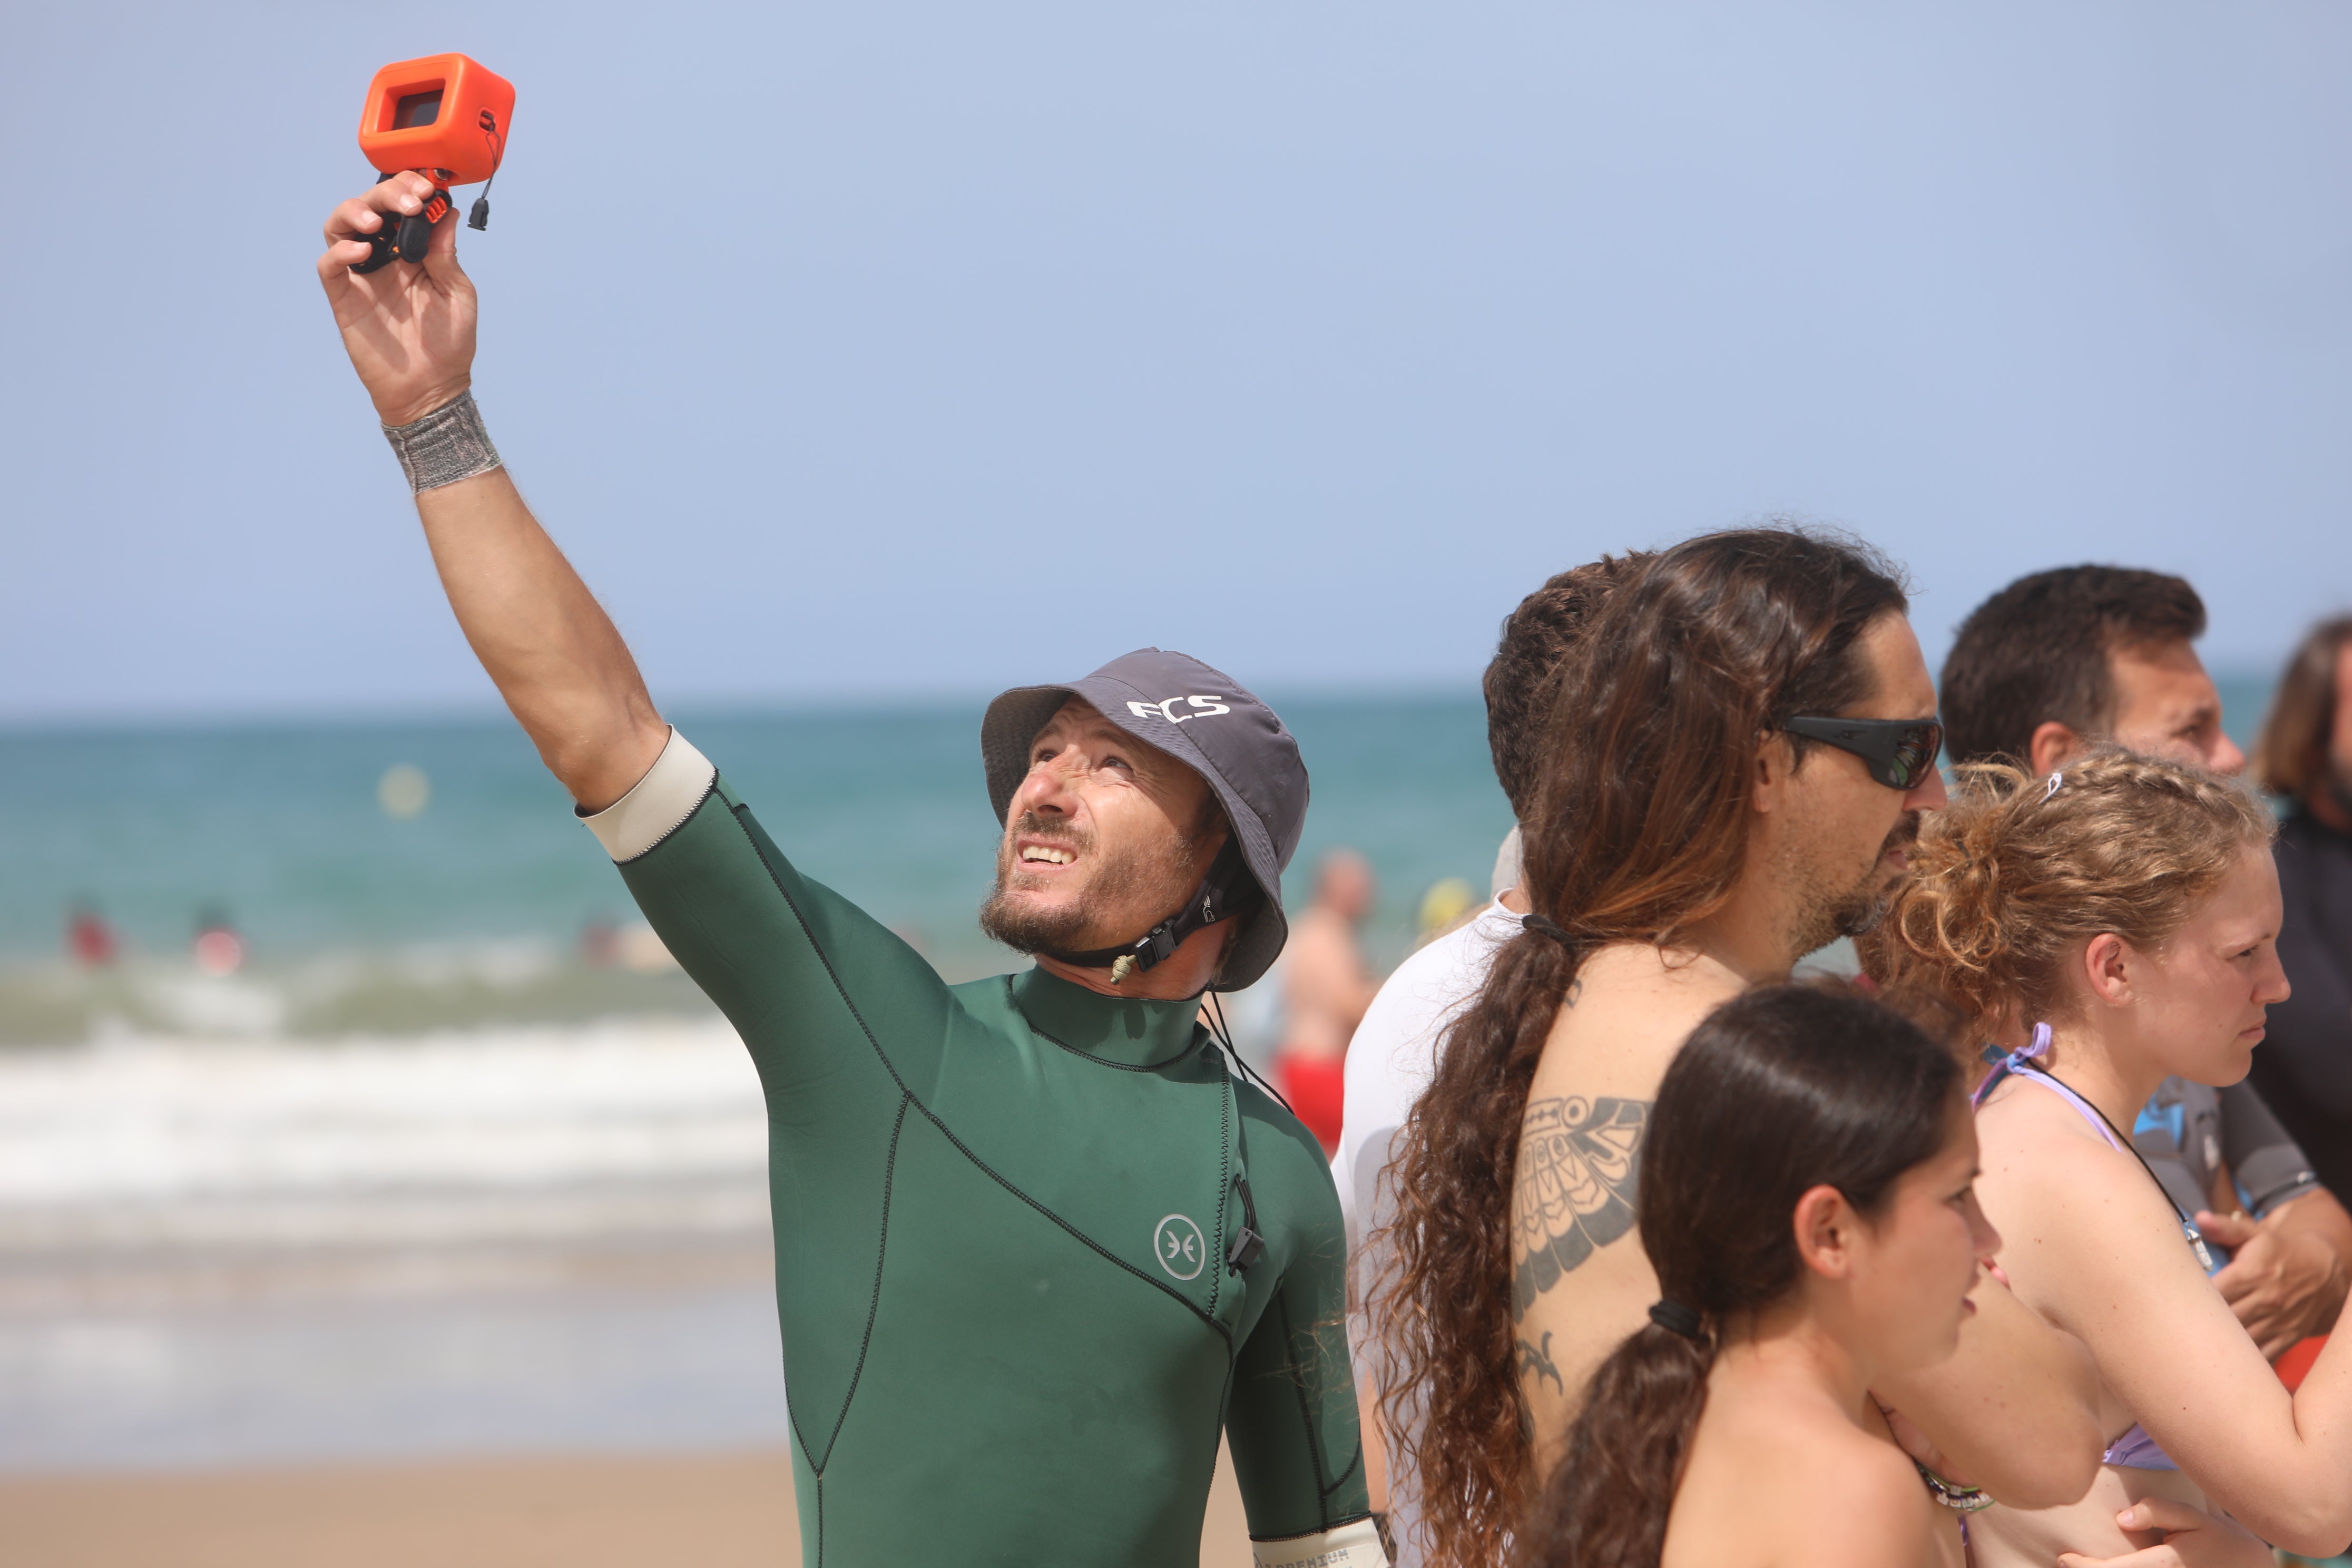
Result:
<point x="1853" y="1501"/>
<point x="1795" y="1482"/>
<point x="1875" y="1508"/>
<point x="1627" y="1012"/>
<point x="2045" y="1165"/>
<point x="2085" y="1229"/>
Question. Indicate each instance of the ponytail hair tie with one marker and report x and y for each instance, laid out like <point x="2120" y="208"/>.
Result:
<point x="1547" y="927"/>
<point x="2057" y="782"/>
<point x="1675" y="1319"/>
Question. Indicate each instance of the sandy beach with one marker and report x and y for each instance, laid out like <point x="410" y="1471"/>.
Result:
<point x="587" y="1511"/>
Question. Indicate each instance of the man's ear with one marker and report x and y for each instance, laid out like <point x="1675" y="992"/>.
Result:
<point x="2053" y="745"/>
<point x="1776" y="764"/>
<point x="1824" y="1225"/>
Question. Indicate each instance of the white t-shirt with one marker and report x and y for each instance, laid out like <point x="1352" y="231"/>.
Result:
<point x="1393" y="1054"/>
<point x="1390" y="1062"/>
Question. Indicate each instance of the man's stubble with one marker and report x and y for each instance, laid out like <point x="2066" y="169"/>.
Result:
<point x="1826" y="912"/>
<point x="1154" y="874"/>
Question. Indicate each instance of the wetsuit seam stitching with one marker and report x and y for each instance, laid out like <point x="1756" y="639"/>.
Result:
<point x="672" y="830"/>
<point x="932" y="1117"/>
<point x="1013" y="1002"/>
<point x="1073" y="1231"/>
<point x="1341" y="1479"/>
<point x="874" y="1307"/>
<point x="1306" y="1416"/>
<point x="1224" y="1185"/>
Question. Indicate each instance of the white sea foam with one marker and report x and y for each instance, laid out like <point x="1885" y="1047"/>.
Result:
<point x="538" y="1131"/>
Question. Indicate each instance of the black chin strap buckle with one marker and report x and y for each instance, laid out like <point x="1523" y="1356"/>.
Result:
<point x="1224" y="892"/>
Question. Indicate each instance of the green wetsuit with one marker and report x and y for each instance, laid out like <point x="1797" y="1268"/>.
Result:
<point x="1003" y="1214"/>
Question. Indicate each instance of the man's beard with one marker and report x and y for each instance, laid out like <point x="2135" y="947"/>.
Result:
<point x="1153" y="874"/>
<point x="1857" y="910"/>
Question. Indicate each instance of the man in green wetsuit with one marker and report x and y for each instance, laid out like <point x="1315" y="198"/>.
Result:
<point x="1034" y="1245"/>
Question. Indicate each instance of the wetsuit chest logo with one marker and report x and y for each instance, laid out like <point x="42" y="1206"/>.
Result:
<point x="1179" y="1245"/>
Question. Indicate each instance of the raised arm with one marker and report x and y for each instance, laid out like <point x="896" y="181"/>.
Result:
<point x="554" y="653"/>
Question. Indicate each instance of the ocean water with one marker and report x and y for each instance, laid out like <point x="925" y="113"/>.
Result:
<point x="473" y="909"/>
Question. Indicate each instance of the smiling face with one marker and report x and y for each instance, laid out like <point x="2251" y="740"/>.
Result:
<point x="1105" y="837"/>
<point x="1847" y="838"/>
<point x="1915" y="1259"/>
<point x="2197" y="1004"/>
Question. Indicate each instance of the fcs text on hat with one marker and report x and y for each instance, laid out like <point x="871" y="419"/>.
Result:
<point x="1203" y="706"/>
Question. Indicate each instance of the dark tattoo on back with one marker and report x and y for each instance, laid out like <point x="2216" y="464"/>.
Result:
<point x="1579" y="1163"/>
<point x="1540" y="1361"/>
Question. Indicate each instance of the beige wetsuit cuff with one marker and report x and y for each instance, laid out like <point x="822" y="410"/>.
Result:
<point x="658" y="803"/>
<point x="1355" y="1545"/>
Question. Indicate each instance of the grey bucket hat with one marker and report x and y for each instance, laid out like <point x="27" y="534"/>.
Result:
<point x="1211" y="723"/>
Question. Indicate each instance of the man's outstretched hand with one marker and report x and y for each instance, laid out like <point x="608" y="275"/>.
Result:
<point x="2285" y="1281"/>
<point x="408" y="329"/>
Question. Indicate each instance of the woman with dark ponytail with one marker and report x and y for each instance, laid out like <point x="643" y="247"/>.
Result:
<point x="1807" y="1203"/>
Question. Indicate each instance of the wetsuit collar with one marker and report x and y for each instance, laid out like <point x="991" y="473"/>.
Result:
<point x="1131" y="1031"/>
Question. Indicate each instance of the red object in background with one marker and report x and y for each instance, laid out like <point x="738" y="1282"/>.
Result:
<point x="219" y="951"/>
<point x="90" y="940"/>
<point x="1316" y="1090"/>
<point x="444" y="114"/>
<point x="2296" y="1366"/>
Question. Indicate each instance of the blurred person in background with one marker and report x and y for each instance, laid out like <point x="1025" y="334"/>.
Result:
<point x="1731" y="768"/>
<point x="2049" y="665"/>
<point x="1394" y="1052"/>
<point x="218" y="949"/>
<point x="2305" y="1069"/>
<point x="1035" y="1244"/>
<point x="1327" y="984"/>
<point x="91" y="941"/>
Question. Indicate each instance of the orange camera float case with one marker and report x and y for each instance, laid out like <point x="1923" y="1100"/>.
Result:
<point x="445" y="116"/>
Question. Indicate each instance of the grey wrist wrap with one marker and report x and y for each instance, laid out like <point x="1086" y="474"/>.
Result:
<point x="445" y="446"/>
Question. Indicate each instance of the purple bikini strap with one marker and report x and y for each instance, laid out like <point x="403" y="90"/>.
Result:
<point x="2020" y="1063"/>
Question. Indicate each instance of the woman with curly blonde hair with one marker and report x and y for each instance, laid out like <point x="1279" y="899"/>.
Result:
<point x="2115" y="923"/>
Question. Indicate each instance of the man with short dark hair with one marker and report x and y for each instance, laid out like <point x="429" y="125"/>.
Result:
<point x="2050" y="665"/>
<point x="1034" y="1244"/>
<point x="2059" y="658"/>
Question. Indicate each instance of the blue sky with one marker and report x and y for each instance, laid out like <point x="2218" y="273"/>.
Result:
<point x="927" y="348"/>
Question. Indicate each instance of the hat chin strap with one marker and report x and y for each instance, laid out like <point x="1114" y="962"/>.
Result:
<point x="1227" y="890"/>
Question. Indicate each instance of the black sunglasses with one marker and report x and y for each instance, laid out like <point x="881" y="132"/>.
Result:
<point x="1899" y="752"/>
